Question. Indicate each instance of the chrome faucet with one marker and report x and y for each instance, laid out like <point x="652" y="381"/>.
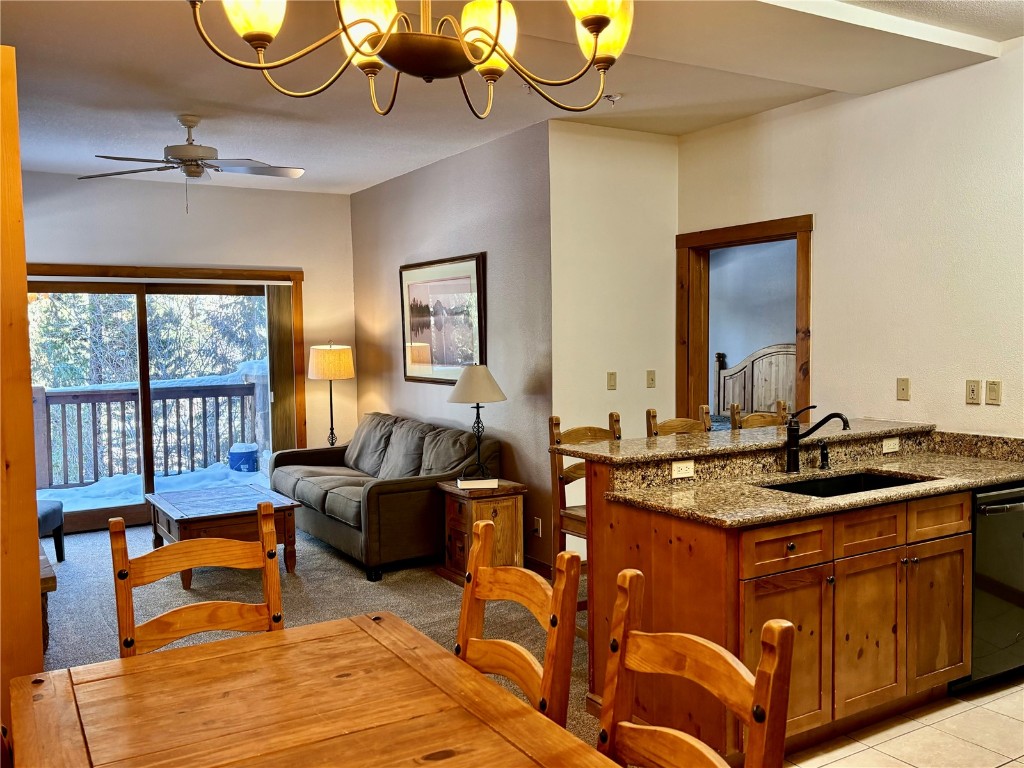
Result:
<point x="794" y="435"/>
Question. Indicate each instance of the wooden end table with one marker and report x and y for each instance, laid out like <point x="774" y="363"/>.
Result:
<point x="226" y="512"/>
<point x="464" y="506"/>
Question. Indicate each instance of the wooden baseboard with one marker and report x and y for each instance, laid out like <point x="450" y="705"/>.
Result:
<point x="538" y="566"/>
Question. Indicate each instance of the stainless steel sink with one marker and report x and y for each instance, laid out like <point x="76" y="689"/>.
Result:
<point x="840" y="485"/>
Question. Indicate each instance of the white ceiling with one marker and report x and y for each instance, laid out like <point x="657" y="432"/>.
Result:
<point x="109" y="77"/>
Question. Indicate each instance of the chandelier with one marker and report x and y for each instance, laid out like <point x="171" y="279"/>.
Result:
<point x="375" y="33"/>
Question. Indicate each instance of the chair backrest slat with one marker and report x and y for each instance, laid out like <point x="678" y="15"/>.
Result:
<point x="679" y="425"/>
<point x="554" y="606"/>
<point x="759" y="699"/>
<point x="775" y="419"/>
<point x="180" y="622"/>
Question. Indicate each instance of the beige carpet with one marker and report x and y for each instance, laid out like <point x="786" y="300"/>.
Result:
<point x="83" y="621"/>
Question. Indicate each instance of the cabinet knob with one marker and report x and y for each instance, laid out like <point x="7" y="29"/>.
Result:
<point x="914" y="560"/>
<point x="791" y="546"/>
<point x="905" y="561"/>
<point x="830" y="579"/>
<point x="494" y="514"/>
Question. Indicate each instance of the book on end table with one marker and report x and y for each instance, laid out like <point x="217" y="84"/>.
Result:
<point x="489" y="482"/>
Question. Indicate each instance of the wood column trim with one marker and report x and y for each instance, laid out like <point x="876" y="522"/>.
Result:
<point x="803" y="322"/>
<point x="21" y="643"/>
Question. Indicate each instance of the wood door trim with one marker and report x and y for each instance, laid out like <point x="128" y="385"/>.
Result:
<point x="743" y="234"/>
<point x="693" y="254"/>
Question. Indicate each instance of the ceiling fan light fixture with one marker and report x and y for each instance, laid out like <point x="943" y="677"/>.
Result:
<point x="256" y="21"/>
<point x="375" y="32"/>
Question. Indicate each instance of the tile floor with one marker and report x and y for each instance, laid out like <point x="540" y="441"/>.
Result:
<point x="983" y="728"/>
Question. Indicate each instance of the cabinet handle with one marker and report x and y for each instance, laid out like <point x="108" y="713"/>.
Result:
<point x="791" y="546"/>
<point x="914" y="560"/>
<point x="904" y="561"/>
<point x="830" y="579"/>
<point x="494" y="513"/>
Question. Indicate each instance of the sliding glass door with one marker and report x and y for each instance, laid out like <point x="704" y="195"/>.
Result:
<point x="200" y="417"/>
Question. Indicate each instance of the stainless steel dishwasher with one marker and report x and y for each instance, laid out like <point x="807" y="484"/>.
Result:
<point x="998" y="640"/>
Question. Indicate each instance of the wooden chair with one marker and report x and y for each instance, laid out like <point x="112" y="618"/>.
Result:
<point x="554" y="607"/>
<point x="758" y="700"/>
<point x="130" y="573"/>
<point x="775" y="419"/>
<point x="678" y="426"/>
<point x="573" y="519"/>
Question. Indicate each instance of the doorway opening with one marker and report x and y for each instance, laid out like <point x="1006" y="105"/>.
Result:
<point x="739" y="321"/>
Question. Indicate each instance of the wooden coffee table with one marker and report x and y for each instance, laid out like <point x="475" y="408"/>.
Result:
<point x="227" y="512"/>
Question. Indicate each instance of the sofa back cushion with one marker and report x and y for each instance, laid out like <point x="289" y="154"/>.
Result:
<point x="369" y="443"/>
<point x="405" y="449"/>
<point x="446" y="449"/>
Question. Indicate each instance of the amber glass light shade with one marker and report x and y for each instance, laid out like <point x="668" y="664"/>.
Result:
<point x="358" y="15"/>
<point x="613" y="39"/>
<point x="484" y="14"/>
<point x="259" y="18"/>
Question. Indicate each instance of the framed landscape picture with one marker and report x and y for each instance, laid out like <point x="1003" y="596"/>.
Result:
<point x="443" y="318"/>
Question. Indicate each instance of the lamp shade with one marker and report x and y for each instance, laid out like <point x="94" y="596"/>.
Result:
<point x="476" y="385"/>
<point x="331" y="361"/>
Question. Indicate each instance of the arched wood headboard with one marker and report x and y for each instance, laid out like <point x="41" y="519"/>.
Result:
<point x="764" y="376"/>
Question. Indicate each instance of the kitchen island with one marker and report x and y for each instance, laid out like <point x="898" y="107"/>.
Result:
<point x="876" y="582"/>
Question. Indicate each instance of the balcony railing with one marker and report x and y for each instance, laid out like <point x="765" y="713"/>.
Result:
<point x="85" y="434"/>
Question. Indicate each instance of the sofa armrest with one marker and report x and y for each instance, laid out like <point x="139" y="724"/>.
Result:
<point x="322" y="457"/>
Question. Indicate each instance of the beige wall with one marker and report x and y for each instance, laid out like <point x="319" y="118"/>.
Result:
<point x="116" y="221"/>
<point x="493" y="198"/>
<point x="613" y="227"/>
<point x="917" y="250"/>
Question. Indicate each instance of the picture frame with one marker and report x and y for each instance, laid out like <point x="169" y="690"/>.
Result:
<point x="443" y="318"/>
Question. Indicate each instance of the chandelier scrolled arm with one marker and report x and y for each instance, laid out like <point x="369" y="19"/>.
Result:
<point x="484" y="39"/>
<point x="260" y="65"/>
<point x="304" y="94"/>
<point x="469" y="99"/>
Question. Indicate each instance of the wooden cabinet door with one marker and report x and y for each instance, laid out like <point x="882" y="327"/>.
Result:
<point x="870" y="630"/>
<point x="938" y="612"/>
<point x="506" y="512"/>
<point x="803" y="597"/>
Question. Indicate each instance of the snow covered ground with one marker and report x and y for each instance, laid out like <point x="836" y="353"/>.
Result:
<point x="120" y="490"/>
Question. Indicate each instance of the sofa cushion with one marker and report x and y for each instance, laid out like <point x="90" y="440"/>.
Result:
<point x="312" y="491"/>
<point x="405" y="449"/>
<point x="366" y="450"/>
<point x="446" y="449"/>
<point x="287" y="477"/>
<point x="345" y="504"/>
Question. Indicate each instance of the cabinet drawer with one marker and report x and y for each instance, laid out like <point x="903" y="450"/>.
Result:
<point x="458" y="514"/>
<point x="456" y="551"/>
<point x="938" y="516"/>
<point x="778" y="548"/>
<point x="869" y="530"/>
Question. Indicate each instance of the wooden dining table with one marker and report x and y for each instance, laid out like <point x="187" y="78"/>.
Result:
<point x="360" y="692"/>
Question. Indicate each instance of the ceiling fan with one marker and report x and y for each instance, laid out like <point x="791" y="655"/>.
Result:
<point x="194" y="160"/>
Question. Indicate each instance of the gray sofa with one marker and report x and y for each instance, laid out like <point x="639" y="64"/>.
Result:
<point x="376" y="498"/>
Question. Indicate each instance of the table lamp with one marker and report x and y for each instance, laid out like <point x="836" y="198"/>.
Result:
<point x="331" y="361"/>
<point x="476" y="385"/>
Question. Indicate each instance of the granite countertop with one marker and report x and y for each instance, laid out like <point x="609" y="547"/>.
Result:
<point x="741" y="503"/>
<point x="687" y="446"/>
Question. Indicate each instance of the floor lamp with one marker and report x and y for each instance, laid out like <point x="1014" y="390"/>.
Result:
<point x="331" y="362"/>
<point x="476" y="385"/>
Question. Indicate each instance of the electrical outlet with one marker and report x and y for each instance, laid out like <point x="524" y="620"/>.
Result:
<point x="650" y="379"/>
<point x="681" y="469"/>
<point x="537" y="530"/>
<point x="902" y="389"/>
<point x="890" y="444"/>
<point x="993" y="392"/>
<point x="973" y="392"/>
<point x="613" y="380"/>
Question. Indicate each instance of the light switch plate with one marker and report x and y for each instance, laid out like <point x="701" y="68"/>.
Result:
<point x="902" y="389"/>
<point x="993" y="392"/>
<point x="973" y="392"/>
<point x="890" y="445"/>
<point x="537" y="530"/>
<point x="681" y="469"/>
<point x="650" y="379"/>
<point x="613" y="380"/>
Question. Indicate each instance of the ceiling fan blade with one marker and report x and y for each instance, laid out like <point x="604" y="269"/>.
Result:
<point x="123" y="173"/>
<point x="237" y="162"/>
<point x="135" y="159"/>
<point x="266" y="170"/>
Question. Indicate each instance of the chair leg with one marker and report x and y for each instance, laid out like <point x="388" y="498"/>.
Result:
<point x="58" y="542"/>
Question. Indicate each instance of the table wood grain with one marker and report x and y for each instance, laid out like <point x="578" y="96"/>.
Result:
<point x="368" y="691"/>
